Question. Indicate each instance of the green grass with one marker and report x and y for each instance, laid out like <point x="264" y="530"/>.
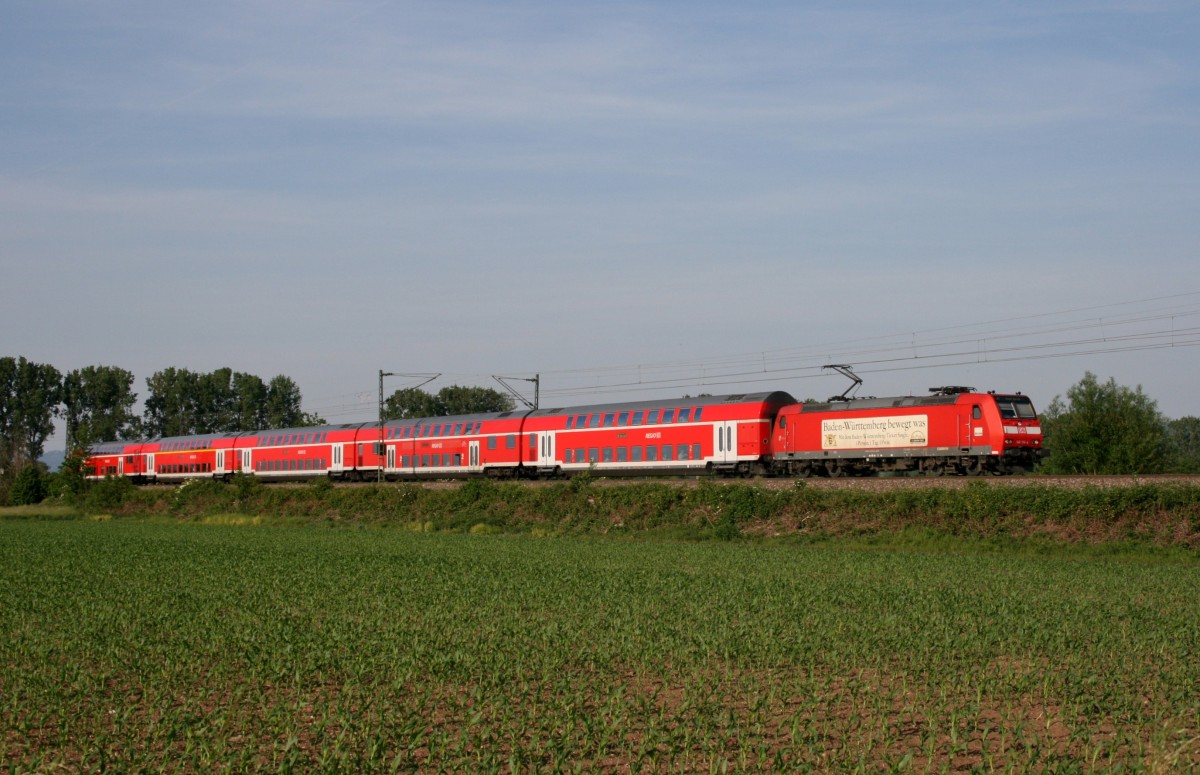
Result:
<point x="235" y="647"/>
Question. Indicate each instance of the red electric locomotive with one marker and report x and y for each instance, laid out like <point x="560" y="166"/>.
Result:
<point x="953" y="431"/>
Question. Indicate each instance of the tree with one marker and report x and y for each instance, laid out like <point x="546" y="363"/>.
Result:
<point x="410" y="404"/>
<point x="98" y="403"/>
<point x="29" y="488"/>
<point x="251" y="397"/>
<point x="216" y="403"/>
<point x="182" y="402"/>
<point x="414" y="403"/>
<point x="171" y="403"/>
<point x="283" y="404"/>
<point x="457" y="399"/>
<point x="30" y="394"/>
<point x="1183" y="445"/>
<point x="1103" y="428"/>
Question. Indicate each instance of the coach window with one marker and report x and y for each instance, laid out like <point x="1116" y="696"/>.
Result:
<point x="594" y="421"/>
<point x="668" y="452"/>
<point x="533" y="442"/>
<point x="570" y="422"/>
<point x="668" y="415"/>
<point x="652" y="454"/>
<point x="567" y="456"/>
<point x="608" y="420"/>
<point x="510" y="441"/>
<point x="622" y="455"/>
<point x="458" y="428"/>
<point x="696" y="454"/>
<point x="685" y="415"/>
<point x="696" y="416"/>
<point x="652" y="418"/>
<point x="636" y="454"/>
<point x="491" y="442"/>
<point x="593" y="454"/>
<point x="683" y="452"/>
<point x="976" y="412"/>
<point x="623" y="418"/>
<point x="637" y="418"/>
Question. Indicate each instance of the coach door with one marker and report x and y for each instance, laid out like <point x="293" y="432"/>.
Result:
<point x="247" y="466"/>
<point x="546" y="450"/>
<point x="473" y="463"/>
<point x="220" y="461"/>
<point x="150" y="464"/>
<point x="724" y="442"/>
<point x="335" y="463"/>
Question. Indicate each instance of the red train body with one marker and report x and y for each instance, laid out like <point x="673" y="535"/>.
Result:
<point x="952" y="431"/>
<point x="744" y="434"/>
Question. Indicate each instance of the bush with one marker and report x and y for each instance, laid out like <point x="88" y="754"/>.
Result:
<point x="30" y="486"/>
<point x="108" y="494"/>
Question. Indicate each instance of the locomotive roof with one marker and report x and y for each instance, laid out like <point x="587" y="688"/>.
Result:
<point x="877" y="403"/>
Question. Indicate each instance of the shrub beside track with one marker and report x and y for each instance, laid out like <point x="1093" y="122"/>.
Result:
<point x="1160" y="513"/>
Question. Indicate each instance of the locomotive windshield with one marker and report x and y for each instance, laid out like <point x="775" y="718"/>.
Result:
<point x="1015" y="407"/>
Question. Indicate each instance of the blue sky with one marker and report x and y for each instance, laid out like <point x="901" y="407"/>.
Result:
<point x="632" y="199"/>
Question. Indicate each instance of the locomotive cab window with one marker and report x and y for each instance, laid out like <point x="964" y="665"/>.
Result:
<point x="1012" y="407"/>
<point x="976" y="412"/>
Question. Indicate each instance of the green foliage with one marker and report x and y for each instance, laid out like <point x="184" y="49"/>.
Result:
<point x="181" y="402"/>
<point x="29" y="402"/>
<point x="30" y="486"/>
<point x="70" y="481"/>
<point x="414" y="403"/>
<point x="1103" y="428"/>
<point x="1183" y="445"/>
<point x="98" y="406"/>
<point x="1152" y="514"/>
<point x="108" y="494"/>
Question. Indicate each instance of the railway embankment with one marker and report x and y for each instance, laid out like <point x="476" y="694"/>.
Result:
<point x="1163" y="513"/>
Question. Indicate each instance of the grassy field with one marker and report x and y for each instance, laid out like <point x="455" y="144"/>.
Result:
<point x="191" y="647"/>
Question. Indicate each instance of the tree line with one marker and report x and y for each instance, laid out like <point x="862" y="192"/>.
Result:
<point x="96" y="404"/>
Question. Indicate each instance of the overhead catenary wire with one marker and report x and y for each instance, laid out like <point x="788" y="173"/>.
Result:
<point x="1125" y="327"/>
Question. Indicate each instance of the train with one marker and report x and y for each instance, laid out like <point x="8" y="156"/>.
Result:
<point x="952" y="431"/>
